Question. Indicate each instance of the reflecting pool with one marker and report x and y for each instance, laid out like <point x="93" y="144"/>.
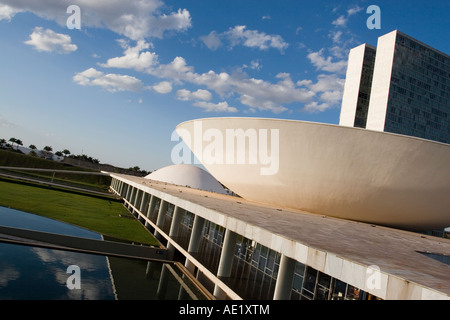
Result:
<point x="32" y="273"/>
<point x="28" y="272"/>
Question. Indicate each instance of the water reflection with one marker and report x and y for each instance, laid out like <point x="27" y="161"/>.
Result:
<point x="28" y="273"/>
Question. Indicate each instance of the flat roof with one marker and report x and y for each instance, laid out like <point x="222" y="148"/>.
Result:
<point x="347" y="250"/>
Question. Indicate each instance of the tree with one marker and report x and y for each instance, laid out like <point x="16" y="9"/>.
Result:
<point x="17" y="142"/>
<point x="66" y="152"/>
<point x="32" y="147"/>
<point x="13" y="140"/>
<point x="47" y="151"/>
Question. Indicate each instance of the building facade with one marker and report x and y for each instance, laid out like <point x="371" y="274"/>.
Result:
<point x="240" y="250"/>
<point x="358" y="84"/>
<point x="408" y="88"/>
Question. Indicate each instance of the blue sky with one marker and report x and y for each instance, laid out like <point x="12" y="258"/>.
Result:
<point x="116" y="88"/>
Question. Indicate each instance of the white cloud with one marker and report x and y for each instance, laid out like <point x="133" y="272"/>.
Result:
<point x="354" y="10"/>
<point x="133" y="58"/>
<point x="326" y="64"/>
<point x="201" y="98"/>
<point x="212" y="40"/>
<point x="200" y="94"/>
<point x="215" y="107"/>
<point x="255" y="93"/>
<point x="336" y="36"/>
<point x="135" y="19"/>
<point x="240" y="35"/>
<point x="180" y="20"/>
<point x="327" y="90"/>
<point x="254" y="65"/>
<point x="163" y="87"/>
<point x="49" y="41"/>
<point x="7" y="12"/>
<point x="111" y="82"/>
<point x="255" y="39"/>
<point x="341" y="21"/>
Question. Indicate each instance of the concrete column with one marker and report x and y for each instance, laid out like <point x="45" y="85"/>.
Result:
<point x="151" y="208"/>
<point x="124" y="189"/>
<point x="285" y="279"/>
<point x="195" y="239"/>
<point x="226" y="260"/>
<point x="138" y="199"/>
<point x="131" y="199"/>
<point x="132" y="192"/>
<point x="174" y="227"/>
<point x="144" y="203"/>
<point x="161" y="215"/>
<point x="128" y="195"/>
<point x="134" y="196"/>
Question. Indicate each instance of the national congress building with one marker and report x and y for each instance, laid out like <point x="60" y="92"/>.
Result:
<point x="342" y="210"/>
<point x="401" y="86"/>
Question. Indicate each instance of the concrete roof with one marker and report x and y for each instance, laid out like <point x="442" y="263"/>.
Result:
<point x="344" y="249"/>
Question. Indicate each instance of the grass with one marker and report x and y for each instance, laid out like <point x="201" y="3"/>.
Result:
<point x="99" y="214"/>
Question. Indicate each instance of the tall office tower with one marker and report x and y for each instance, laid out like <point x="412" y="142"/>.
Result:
<point x="358" y="84"/>
<point x="407" y="84"/>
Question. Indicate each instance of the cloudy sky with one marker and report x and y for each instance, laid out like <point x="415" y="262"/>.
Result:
<point x="116" y="88"/>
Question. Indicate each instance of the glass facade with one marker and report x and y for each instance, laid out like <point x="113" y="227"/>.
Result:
<point x="254" y="268"/>
<point x="418" y="102"/>
<point x="419" y="97"/>
<point x="365" y="86"/>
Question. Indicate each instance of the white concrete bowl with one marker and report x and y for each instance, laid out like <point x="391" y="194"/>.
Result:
<point x="331" y="170"/>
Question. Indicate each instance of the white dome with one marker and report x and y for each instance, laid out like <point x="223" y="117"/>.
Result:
<point x="187" y="175"/>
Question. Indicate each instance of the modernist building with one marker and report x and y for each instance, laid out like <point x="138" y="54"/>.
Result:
<point x="239" y="249"/>
<point x="317" y="211"/>
<point x="401" y="86"/>
<point x="327" y="221"/>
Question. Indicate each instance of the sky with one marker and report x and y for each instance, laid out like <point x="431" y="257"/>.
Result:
<point x="115" y="83"/>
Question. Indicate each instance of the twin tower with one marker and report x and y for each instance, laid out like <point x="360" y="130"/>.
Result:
<point x="402" y="86"/>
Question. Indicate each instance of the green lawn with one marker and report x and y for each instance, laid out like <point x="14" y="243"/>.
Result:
<point x="101" y="215"/>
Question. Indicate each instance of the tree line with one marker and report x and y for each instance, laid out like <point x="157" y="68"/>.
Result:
<point x="13" y="144"/>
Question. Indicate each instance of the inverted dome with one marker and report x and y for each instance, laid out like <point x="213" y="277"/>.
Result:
<point x="345" y="172"/>
<point x="187" y="175"/>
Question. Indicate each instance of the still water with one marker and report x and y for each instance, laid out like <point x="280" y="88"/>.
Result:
<point x="30" y="273"/>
